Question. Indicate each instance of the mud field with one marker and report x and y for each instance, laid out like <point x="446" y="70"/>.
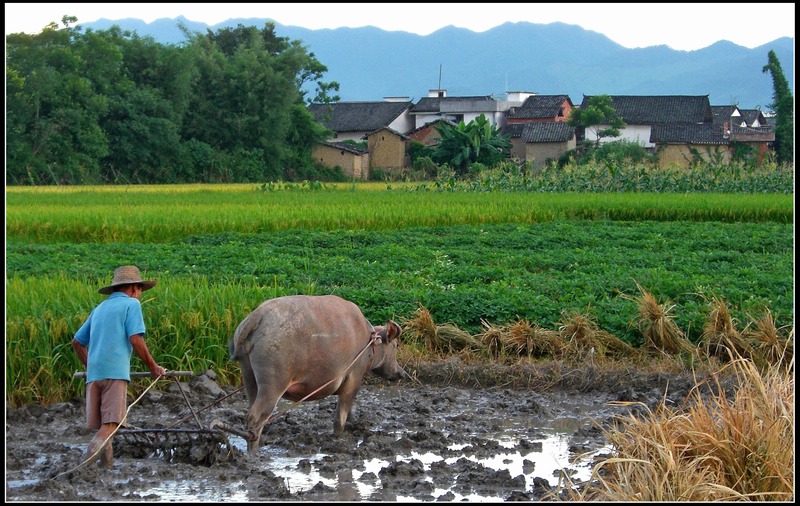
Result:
<point x="456" y="433"/>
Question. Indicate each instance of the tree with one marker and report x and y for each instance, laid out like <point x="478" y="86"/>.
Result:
<point x="54" y="107"/>
<point x="246" y="93"/>
<point x="598" y="111"/>
<point x="783" y="106"/>
<point x="463" y="144"/>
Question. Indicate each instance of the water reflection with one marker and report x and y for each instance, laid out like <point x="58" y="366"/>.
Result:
<point x="547" y="458"/>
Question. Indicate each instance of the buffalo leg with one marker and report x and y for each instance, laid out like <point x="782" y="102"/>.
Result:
<point x="347" y="397"/>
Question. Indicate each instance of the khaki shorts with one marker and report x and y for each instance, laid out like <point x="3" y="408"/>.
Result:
<point x="106" y="402"/>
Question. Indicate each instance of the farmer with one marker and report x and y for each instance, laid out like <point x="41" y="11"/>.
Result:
<point x="104" y="342"/>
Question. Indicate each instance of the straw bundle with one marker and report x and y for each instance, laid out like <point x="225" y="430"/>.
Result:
<point x="422" y="329"/>
<point x="658" y="327"/>
<point x="766" y="342"/>
<point x="720" y="336"/>
<point x="585" y="338"/>
<point x="445" y="338"/>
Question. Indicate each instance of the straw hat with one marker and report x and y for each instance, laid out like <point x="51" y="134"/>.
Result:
<point x="126" y="275"/>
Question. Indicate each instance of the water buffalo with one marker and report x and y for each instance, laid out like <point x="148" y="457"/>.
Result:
<point x="297" y="345"/>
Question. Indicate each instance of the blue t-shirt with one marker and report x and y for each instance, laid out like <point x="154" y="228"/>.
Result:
<point x="107" y="334"/>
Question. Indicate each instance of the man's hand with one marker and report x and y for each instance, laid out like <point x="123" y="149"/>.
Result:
<point x="157" y="372"/>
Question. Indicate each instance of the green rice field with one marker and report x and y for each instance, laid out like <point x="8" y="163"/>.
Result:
<point x="468" y="258"/>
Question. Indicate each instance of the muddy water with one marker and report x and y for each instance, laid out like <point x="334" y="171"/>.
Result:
<point x="406" y="442"/>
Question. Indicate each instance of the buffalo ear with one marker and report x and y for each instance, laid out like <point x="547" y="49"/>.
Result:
<point x="393" y="330"/>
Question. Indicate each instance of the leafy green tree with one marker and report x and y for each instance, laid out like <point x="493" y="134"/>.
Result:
<point x="145" y="106"/>
<point x="110" y="106"/>
<point x="55" y="101"/>
<point x="245" y="93"/>
<point x="598" y="111"/>
<point x="783" y="106"/>
<point x="478" y="141"/>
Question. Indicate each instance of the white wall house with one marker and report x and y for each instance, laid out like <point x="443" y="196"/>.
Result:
<point x="437" y="105"/>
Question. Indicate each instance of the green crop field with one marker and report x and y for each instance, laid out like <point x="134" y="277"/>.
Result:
<point x="467" y="257"/>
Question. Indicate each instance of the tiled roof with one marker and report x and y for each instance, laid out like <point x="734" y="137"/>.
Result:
<point x="751" y="116"/>
<point x="660" y="109"/>
<point x="434" y="104"/>
<point x="687" y="133"/>
<point x="513" y="130"/>
<point x="722" y="113"/>
<point x="344" y="146"/>
<point x="550" y="131"/>
<point x="358" y="116"/>
<point x="539" y="106"/>
<point x="432" y="124"/>
<point x="390" y="130"/>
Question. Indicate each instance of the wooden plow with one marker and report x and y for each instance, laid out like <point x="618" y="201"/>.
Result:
<point x="204" y="445"/>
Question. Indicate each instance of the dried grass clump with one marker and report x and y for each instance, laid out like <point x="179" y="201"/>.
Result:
<point x="452" y="339"/>
<point x="659" y="329"/>
<point x="584" y="338"/>
<point x="540" y="342"/>
<point x="492" y="339"/>
<point x="719" y="449"/>
<point x="420" y="328"/>
<point x="769" y="347"/>
<point x="522" y="339"/>
<point x="442" y="339"/>
<point x="720" y="333"/>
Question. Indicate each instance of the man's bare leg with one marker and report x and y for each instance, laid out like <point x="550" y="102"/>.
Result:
<point x="107" y="453"/>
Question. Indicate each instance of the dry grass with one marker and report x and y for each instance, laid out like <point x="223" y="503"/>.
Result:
<point x="585" y="339"/>
<point x="720" y="334"/>
<point x="658" y="327"/>
<point x="718" y="449"/>
<point x="444" y="339"/>
<point x="770" y="348"/>
<point x="521" y="339"/>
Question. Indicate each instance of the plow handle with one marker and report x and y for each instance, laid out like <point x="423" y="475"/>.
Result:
<point x="168" y="374"/>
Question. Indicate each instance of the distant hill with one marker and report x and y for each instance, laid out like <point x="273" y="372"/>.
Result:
<point x="556" y="58"/>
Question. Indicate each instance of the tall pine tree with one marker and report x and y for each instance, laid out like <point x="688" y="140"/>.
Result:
<point x="784" y="109"/>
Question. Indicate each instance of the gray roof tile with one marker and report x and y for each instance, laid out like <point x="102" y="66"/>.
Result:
<point x="687" y="133"/>
<point x="539" y="106"/>
<point x="547" y="131"/>
<point x="358" y="116"/>
<point x="660" y="109"/>
<point x="551" y="131"/>
<point x="433" y="104"/>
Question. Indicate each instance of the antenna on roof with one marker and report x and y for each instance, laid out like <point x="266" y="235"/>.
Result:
<point x="440" y="77"/>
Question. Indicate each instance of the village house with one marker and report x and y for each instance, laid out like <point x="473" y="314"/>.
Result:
<point x="387" y="149"/>
<point x="354" y="120"/>
<point x="437" y="105"/>
<point x="540" y="142"/>
<point x="680" y="128"/>
<point x="541" y="108"/>
<point x="642" y="113"/>
<point x="685" y="143"/>
<point x="428" y="134"/>
<point x="353" y="160"/>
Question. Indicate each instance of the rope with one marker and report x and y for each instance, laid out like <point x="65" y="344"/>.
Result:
<point x="101" y="448"/>
<point x="205" y="408"/>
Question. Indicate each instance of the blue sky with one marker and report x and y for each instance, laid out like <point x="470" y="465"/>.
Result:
<point x="682" y="26"/>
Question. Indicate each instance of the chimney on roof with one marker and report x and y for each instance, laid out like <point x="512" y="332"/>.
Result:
<point x="437" y="93"/>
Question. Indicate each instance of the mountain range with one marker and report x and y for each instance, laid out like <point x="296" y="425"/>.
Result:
<point x="550" y="59"/>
